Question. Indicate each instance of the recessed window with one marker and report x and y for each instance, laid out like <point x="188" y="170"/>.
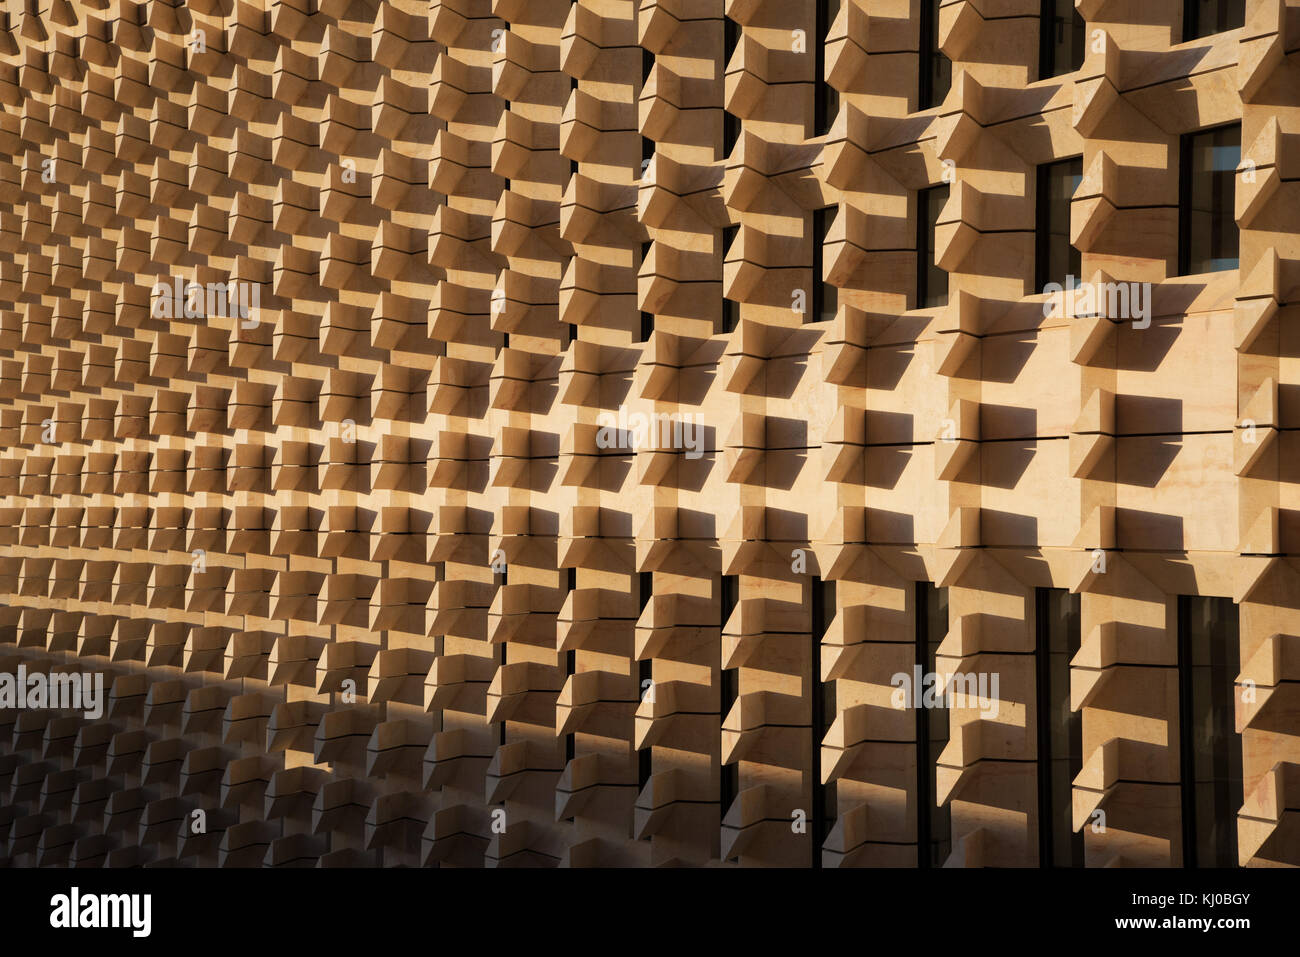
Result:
<point x="825" y="298"/>
<point x="645" y="589"/>
<point x="647" y="318"/>
<point x="1203" y="18"/>
<point x="1062" y="39"/>
<point x="823" y="715"/>
<point x="933" y="823"/>
<point x="935" y="68"/>
<point x="729" y="686"/>
<point x="644" y="757"/>
<point x="931" y="281"/>
<point x="570" y="666"/>
<point x="827" y="99"/>
<point x="730" y="122"/>
<point x="728" y="774"/>
<point x="645" y="678"/>
<point x="501" y="661"/>
<point x="730" y="308"/>
<point x="647" y="154"/>
<point x="570" y="740"/>
<point x="1060" y="730"/>
<point x="730" y="133"/>
<point x="1056" y="259"/>
<point x="730" y="314"/>
<point x="1208" y="238"/>
<point x="1209" y="660"/>
<point x="729" y="596"/>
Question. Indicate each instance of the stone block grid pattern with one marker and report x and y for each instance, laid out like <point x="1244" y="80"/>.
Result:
<point x="445" y="210"/>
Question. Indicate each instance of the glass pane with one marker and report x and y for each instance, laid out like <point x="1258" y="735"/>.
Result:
<point x="730" y="308"/>
<point x="932" y="722"/>
<point x="1210" y="240"/>
<point x="828" y="107"/>
<point x="823" y="715"/>
<point x="826" y="301"/>
<point x="1209" y="661"/>
<point x="1203" y="18"/>
<point x="1057" y="259"/>
<point x="1062" y="39"/>
<point x="935" y="68"/>
<point x="827" y="103"/>
<point x="1061" y="731"/>
<point x="932" y="282"/>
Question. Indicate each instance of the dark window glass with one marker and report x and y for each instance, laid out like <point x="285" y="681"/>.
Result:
<point x="823" y="607"/>
<point x="571" y="333"/>
<point x="1056" y="259"/>
<point x="729" y="683"/>
<point x="730" y="133"/>
<point x="645" y="588"/>
<point x="1062" y="39"/>
<point x="570" y="665"/>
<point x="730" y="40"/>
<point x="644" y="674"/>
<point x="647" y="153"/>
<point x="730" y="308"/>
<point x="826" y="98"/>
<point x="935" y="68"/>
<point x="1208" y="239"/>
<point x="644" y="767"/>
<point x="501" y="663"/>
<point x="931" y="281"/>
<point x="933" y="823"/>
<point x="647" y="65"/>
<point x="1209" y="660"/>
<point x="825" y="298"/>
<point x="823" y="715"/>
<point x="1201" y="18"/>
<point x="1060" y="730"/>
<point x="729" y="592"/>
<point x="571" y="669"/>
<point x="647" y="318"/>
<point x="730" y="314"/>
<point x="730" y="122"/>
<point x="827" y="108"/>
<point x="645" y="252"/>
<point x="728" y="774"/>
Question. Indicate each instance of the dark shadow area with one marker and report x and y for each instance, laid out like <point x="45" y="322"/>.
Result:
<point x="1148" y="531"/>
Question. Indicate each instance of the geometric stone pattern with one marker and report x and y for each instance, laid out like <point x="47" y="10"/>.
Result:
<point x="365" y="581"/>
